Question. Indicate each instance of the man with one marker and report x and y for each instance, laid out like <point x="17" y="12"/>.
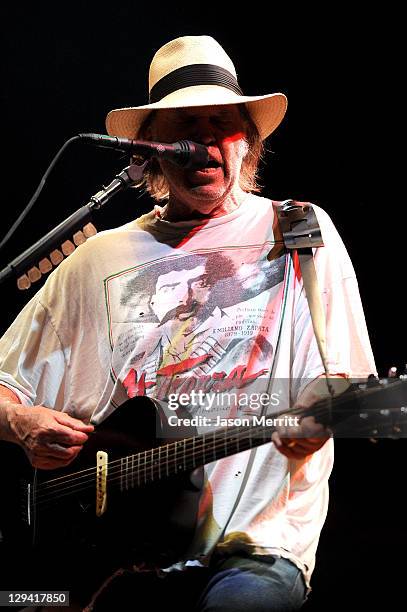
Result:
<point x="196" y="295"/>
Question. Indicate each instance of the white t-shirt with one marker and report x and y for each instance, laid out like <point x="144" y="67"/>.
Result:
<point x="159" y="308"/>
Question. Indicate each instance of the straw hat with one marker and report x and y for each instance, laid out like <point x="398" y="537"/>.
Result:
<point x="195" y="71"/>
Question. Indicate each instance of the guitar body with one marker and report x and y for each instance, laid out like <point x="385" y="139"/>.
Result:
<point x="54" y="512"/>
<point x="56" y="525"/>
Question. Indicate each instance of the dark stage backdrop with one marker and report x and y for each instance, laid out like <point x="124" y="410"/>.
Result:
<point x="64" y="67"/>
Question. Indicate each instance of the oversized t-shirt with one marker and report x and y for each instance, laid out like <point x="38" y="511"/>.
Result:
<point x="162" y="308"/>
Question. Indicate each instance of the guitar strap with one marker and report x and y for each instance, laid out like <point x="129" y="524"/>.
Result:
<point x="300" y="232"/>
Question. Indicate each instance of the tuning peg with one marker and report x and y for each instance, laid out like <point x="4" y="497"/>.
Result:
<point x="373" y="381"/>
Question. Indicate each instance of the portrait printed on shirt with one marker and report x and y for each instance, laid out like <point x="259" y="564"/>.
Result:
<point x="206" y="321"/>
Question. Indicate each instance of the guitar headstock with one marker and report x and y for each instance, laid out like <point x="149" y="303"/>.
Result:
<point x="47" y="264"/>
<point x="374" y="409"/>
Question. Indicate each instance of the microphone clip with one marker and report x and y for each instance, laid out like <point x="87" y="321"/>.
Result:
<point x="127" y="178"/>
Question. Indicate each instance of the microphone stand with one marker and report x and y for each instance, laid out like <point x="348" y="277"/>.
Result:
<point x="128" y="177"/>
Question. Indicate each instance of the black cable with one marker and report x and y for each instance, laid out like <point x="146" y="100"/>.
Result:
<point x="34" y="198"/>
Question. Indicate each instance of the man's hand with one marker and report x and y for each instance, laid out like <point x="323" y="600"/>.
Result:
<point x="51" y="439"/>
<point x="296" y="442"/>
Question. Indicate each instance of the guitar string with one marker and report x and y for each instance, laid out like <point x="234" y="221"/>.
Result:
<point x="311" y="412"/>
<point x="148" y="472"/>
<point x="157" y="476"/>
<point x="140" y="477"/>
<point x="146" y="465"/>
<point x="76" y="476"/>
<point x="218" y="436"/>
<point x="196" y="440"/>
<point x="154" y="468"/>
<point x="85" y="472"/>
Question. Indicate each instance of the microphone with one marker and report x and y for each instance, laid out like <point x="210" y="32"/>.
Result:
<point x="184" y="153"/>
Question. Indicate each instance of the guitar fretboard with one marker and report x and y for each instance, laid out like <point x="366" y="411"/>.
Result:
<point x="187" y="454"/>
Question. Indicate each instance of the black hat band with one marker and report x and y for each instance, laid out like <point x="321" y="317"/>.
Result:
<point x="189" y="76"/>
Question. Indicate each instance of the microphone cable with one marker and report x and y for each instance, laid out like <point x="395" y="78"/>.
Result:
<point x="37" y="192"/>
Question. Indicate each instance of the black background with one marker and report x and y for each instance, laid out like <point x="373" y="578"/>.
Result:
<point x="65" y="66"/>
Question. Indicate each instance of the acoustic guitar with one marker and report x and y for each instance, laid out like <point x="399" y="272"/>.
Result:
<point x="131" y="496"/>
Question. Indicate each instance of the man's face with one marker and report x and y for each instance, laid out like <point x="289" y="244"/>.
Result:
<point x="221" y="129"/>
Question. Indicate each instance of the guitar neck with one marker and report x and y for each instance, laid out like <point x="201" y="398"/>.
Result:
<point x="355" y="413"/>
<point x="377" y="411"/>
<point x="190" y="453"/>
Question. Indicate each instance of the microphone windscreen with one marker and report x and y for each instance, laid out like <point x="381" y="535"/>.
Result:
<point x="198" y="156"/>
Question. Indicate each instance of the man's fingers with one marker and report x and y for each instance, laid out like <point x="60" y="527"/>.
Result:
<point x="311" y="429"/>
<point x="49" y="463"/>
<point x="65" y="435"/>
<point x="298" y="447"/>
<point x="62" y="452"/>
<point x="51" y="439"/>
<point x="287" y="447"/>
<point x="276" y="439"/>
<point x="307" y="428"/>
<point x="76" y="424"/>
<point x="56" y="451"/>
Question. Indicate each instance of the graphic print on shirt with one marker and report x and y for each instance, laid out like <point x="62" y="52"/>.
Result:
<point x="203" y="321"/>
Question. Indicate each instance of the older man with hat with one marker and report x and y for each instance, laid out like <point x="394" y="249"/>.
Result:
<point x="233" y="324"/>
